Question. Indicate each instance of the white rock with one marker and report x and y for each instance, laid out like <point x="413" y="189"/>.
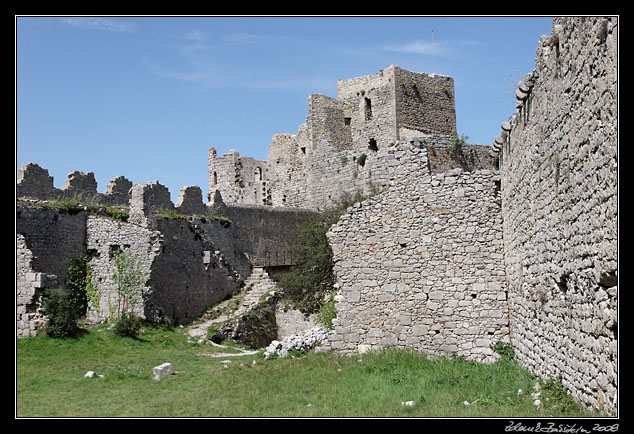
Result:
<point x="161" y="370"/>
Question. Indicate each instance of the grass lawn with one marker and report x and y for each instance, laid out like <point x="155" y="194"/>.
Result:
<point x="50" y="382"/>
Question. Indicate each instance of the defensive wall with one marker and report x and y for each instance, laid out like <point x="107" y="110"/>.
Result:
<point x="559" y="185"/>
<point x="191" y="256"/>
<point x="421" y="264"/>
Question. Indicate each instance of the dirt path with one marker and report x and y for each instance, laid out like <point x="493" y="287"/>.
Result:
<point x="217" y="355"/>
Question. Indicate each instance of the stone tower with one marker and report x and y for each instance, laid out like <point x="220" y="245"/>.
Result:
<point x="368" y="113"/>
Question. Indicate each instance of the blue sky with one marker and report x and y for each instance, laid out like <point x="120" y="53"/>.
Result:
<point x="145" y="97"/>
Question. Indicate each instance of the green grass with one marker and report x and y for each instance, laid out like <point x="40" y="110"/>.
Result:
<point x="50" y="382"/>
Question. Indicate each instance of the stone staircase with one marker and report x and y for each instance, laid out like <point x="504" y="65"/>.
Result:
<point x="257" y="285"/>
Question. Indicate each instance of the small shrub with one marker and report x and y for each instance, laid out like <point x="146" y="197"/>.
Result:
<point x="224" y="221"/>
<point x="170" y="214"/>
<point x="214" y="335"/>
<point x="327" y="313"/>
<point x="128" y="325"/>
<point x="67" y="205"/>
<point x="62" y="319"/>
<point x="361" y="160"/>
<point x="557" y="396"/>
<point x="506" y="351"/>
<point x="121" y="215"/>
<point x="458" y="142"/>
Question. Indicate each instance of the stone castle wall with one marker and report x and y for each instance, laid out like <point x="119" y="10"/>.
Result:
<point x="424" y="103"/>
<point x="46" y="242"/>
<point x="190" y="260"/>
<point x="559" y="207"/>
<point x="426" y="274"/>
<point x="34" y="183"/>
<point x="318" y="178"/>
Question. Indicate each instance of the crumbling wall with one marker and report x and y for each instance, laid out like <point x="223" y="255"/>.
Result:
<point x="327" y="120"/>
<point x="191" y="273"/>
<point x="29" y="288"/>
<point x="371" y="108"/>
<point x="34" y="183"/>
<point x="239" y="179"/>
<point x="54" y="237"/>
<point x="559" y="185"/>
<point x="103" y="239"/>
<point x="424" y="103"/>
<point x="47" y="240"/>
<point x="190" y="256"/>
<point x="421" y="266"/>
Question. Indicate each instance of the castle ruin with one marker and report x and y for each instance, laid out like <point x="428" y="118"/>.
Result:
<point x="461" y="246"/>
<point x="309" y="169"/>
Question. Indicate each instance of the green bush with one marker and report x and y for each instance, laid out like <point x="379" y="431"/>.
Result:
<point x="458" y="142"/>
<point x="128" y="325"/>
<point x="62" y="318"/>
<point x="327" y="313"/>
<point x="128" y="278"/>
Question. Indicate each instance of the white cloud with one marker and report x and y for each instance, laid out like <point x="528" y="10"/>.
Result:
<point x="102" y="24"/>
<point x="242" y="38"/>
<point x="436" y="48"/>
<point x="194" y="35"/>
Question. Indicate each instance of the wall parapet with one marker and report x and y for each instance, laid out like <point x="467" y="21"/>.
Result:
<point x="34" y="183"/>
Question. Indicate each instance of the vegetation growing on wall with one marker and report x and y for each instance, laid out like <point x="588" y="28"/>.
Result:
<point x="74" y="206"/>
<point x="128" y="280"/>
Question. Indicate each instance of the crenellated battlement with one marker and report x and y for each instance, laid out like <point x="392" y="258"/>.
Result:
<point x="34" y="184"/>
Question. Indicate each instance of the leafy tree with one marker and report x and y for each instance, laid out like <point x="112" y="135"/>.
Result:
<point x="79" y="278"/>
<point x="311" y="278"/>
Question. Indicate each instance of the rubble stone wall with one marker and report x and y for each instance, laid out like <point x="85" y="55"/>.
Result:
<point x="559" y="206"/>
<point x="426" y="274"/>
